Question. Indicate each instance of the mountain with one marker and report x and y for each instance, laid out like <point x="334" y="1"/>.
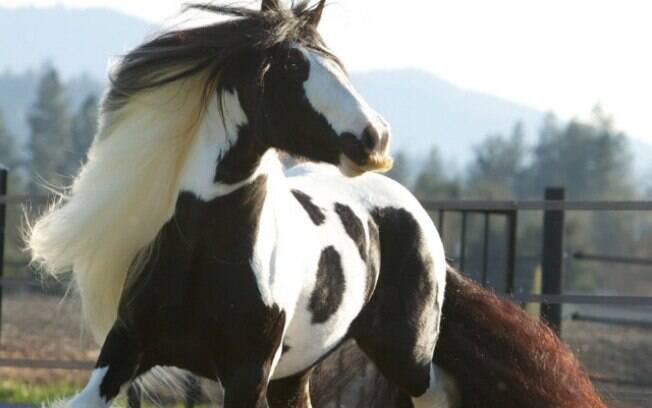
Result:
<point x="75" y="40"/>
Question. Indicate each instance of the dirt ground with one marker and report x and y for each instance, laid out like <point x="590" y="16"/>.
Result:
<point x="43" y="327"/>
<point x="618" y="358"/>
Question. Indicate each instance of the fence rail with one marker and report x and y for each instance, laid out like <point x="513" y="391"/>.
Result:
<point x="602" y="300"/>
<point x="46" y="364"/>
<point x="552" y="256"/>
<point x="628" y="260"/>
<point x="536" y="205"/>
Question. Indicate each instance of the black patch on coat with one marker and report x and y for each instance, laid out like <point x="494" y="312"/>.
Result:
<point x="286" y="348"/>
<point x="370" y="253"/>
<point x="241" y="159"/>
<point x="196" y="305"/>
<point x="373" y="259"/>
<point x="120" y="355"/>
<point x="329" y="288"/>
<point x="390" y="328"/>
<point x="290" y="391"/>
<point x="315" y="213"/>
<point x="353" y="227"/>
<point x="354" y="149"/>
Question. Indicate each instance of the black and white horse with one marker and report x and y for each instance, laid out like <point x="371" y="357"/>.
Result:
<point x="192" y="248"/>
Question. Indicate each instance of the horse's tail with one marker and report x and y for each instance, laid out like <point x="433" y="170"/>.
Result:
<point x="502" y="357"/>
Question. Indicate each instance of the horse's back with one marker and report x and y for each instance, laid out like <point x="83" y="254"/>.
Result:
<point x="371" y="192"/>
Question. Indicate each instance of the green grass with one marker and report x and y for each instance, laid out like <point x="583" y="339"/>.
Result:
<point x="22" y="393"/>
<point x="19" y="392"/>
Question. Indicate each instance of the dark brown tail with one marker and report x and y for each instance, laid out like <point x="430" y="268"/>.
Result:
<point x="502" y="357"/>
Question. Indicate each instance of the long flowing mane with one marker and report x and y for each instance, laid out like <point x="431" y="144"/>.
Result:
<point x="103" y="227"/>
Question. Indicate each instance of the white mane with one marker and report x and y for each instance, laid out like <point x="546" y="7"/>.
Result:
<point x="125" y="193"/>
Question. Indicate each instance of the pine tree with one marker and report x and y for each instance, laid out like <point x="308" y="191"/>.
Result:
<point x="50" y="139"/>
<point x="400" y="171"/>
<point x="591" y="160"/>
<point x="8" y="151"/>
<point x="434" y="182"/>
<point x="84" y="126"/>
<point x="497" y="166"/>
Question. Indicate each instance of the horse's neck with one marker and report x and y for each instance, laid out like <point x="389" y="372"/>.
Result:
<point x="224" y="156"/>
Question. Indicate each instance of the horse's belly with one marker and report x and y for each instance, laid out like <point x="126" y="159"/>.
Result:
<point x="304" y="346"/>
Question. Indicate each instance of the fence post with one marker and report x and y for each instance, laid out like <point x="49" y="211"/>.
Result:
<point x="463" y="243"/>
<point x="3" y="214"/>
<point x="485" y="250"/>
<point x="512" y="224"/>
<point x="552" y="258"/>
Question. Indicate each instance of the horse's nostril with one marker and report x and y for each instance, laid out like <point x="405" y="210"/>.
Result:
<point x="371" y="138"/>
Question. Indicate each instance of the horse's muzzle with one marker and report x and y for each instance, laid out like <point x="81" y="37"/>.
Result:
<point x="378" y="163"/>
<point x="370" y="152"/>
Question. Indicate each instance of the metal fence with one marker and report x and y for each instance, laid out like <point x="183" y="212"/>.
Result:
<point x="551" y="297"/>
<point x="553" y="209"/>
<point x="552" y="256"/>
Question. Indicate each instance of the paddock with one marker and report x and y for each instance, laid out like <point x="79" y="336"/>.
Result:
<point x="43" y="343"/>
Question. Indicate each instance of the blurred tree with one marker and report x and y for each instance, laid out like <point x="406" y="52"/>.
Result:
<point x="50" y="140"/>
<point x="84" y="126"/>
<point x="591" y="160"/>
<point x="434" y="182"/>
<point x="493" y="174"/>
<point x="497" y="166"/>
<point x="401" y="170"/>
<point x="8" y="150"/>
<point x="10" y="158"/>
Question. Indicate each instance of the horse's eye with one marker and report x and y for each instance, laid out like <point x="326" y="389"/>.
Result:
<point x="291" y="66"/>
<point x="294" y="61"/>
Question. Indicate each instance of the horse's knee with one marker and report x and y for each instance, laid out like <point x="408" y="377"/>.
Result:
<point x="116" y="367"/>
<point x="246" y="387"/>
<point x="441" y="393"/>
<point x="291" y="392"/>
<point x="397" y="362"/>
<point x="415" y="380"/>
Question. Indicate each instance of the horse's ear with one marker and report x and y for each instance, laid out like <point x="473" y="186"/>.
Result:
<point x="270" y="5"/>
<point x="315" y="16"/>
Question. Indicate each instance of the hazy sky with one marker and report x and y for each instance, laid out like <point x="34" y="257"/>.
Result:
<point x="564" y="55"/>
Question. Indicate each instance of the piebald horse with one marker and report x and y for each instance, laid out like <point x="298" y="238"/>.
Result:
<point x="191" y="247"/>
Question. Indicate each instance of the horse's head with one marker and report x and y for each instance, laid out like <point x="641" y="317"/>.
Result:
<point x="294" y="92"/>
<point x="300" y="97"/>
<point x="314" y="111"/>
